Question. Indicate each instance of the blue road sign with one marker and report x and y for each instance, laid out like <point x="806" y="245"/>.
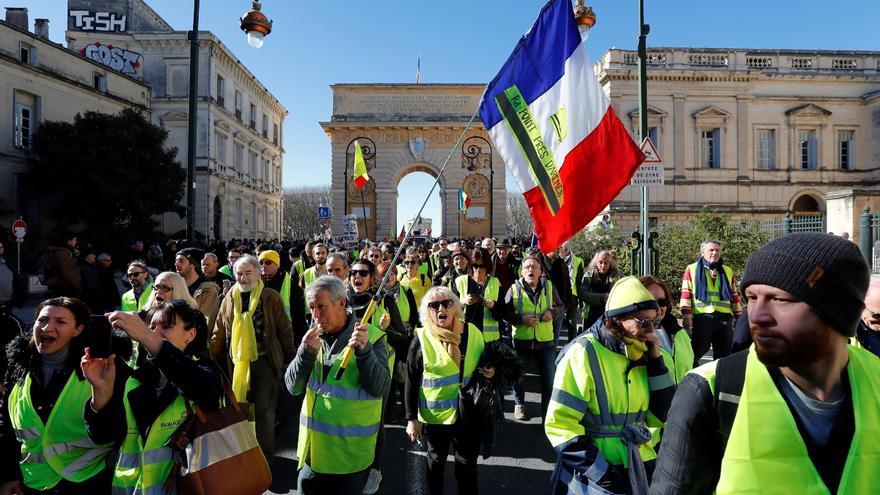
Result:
<point x="323" y="212"/>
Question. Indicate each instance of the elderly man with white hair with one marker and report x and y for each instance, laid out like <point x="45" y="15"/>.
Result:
<point x="253" y="335"/>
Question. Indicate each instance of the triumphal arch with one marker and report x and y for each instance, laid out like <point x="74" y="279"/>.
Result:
<point x="405" y="128"/>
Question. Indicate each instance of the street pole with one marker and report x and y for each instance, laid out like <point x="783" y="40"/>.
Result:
<point x="644" y="29"/>
<point x="191" y="135"/>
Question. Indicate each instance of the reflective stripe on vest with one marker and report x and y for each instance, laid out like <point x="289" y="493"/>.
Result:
<point x="438" y="395"/>
<point x="403" y="304"/>
<point x="543" y="331"/>
<point x="129" y="303"/>
<point x="285" y="295"/>
<point x="617" y="399"/>
<point x="144" y="466"/>
<point x="490" y="293"/>
<point x="60" y="449"/>
<point x="339" y="419"/>
<point x="780" y="463"/>
<point x="715" y="303"/>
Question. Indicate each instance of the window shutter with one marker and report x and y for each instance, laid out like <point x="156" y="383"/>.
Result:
<point x="716" y="145"/>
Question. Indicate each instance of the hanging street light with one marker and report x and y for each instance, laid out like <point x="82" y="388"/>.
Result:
<point x="256" y="25"/>
<point x="584" y="17"/>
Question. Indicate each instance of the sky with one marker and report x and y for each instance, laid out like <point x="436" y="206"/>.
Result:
<point x="318" y="43"/>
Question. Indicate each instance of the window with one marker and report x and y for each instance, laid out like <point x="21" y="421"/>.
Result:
<point x="275" y="134"/>
<point x="238" y="213"/>
<point x="252" y="165"/>
<point x="845" y="149"/>
<point x="253" y="215"/>
<point x="265" y="126"/>
<point x="265" y="174"/>
<point x="24" y="122"/>
<point x="238" y="157"/>
<point x="221" y="91"/>
<point x="265" y="218"/>
<point x="808" y="149"/>
<point x="710" y="144"/>
<point x="766" y="149"/>
<point x="27" y="54"/>
<point x="654" y="135"/>
<point x="238" y="104"/>
<point x="99" y="82"/>
<point x="253" y="116"/>
<point x="220" y="154"/>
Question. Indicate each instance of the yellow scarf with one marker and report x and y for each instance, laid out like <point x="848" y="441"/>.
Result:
<point x="450" y="339"/>
<point x="243" y="345"/>
<point x="635" y="349"/>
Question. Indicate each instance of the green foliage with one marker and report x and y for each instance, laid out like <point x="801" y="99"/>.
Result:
<point x="679" y="245"/>
<point x="109" y="173"/>
<point x="590" y="240"/>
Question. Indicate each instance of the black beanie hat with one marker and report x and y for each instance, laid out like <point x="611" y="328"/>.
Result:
<point x="823" y="270"/>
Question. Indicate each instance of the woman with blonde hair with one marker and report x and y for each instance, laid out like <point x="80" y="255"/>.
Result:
<point x="441" y="360"/>
<point x="601" y="275"/>
<point x="168" y="287"/>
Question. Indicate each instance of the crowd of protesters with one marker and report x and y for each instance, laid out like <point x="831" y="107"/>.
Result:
<point x="630" y="400"/>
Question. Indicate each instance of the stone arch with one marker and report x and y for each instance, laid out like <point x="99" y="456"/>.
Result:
<point x="440" y="225"/>
<point x="807" y="202"/>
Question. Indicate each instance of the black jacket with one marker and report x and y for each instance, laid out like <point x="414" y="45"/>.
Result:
<point x="398" y="337"/>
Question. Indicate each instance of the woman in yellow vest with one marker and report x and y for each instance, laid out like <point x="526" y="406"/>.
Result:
<point x="169" y="286"/>
<point x="409" y="316"/>
<point x="442" y="360"/>
<point x="44" y="443"/>
<point x="480" y="295"/>
<point x="412" y="278"/>
<point x="144" y="415"/>
<point x="607" y="382"/>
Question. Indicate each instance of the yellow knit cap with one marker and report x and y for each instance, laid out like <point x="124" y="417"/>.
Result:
<point x="272" y="256"/>
<point x="628" y="295"/>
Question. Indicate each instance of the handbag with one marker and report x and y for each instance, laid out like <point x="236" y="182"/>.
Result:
<point x="218" y="453"/>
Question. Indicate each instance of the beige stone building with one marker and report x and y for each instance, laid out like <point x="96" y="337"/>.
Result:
<point x="754" y="133"/>
<point x="40" y="80"/>
<point x="239" y="159"/>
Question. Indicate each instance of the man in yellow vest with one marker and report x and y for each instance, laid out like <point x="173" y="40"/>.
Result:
<point x="291" y="293"/>
<point x="574" y="312"/>
<point x="796" y="412"/>
<point x="141" y="287"/>
<point x="709" y="302"/>
<point x="340" y="418"/>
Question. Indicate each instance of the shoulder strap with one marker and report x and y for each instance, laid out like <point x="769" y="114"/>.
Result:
<point x="730" y="374"/>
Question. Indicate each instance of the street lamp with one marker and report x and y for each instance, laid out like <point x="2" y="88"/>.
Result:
<point x="256" y="25"/>
<point x="584" y="17"/>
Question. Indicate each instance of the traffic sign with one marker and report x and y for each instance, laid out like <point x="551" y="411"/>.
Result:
<point x="19" y="229"/>
<point x="323" y="212"/>
<point x="650" y="151"/>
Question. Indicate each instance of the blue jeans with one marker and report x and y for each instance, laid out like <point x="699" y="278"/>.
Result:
<point x="544" y="358"/>
<point x="310" y="482"/>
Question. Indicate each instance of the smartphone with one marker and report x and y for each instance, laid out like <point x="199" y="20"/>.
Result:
<point x="100" y="336"/>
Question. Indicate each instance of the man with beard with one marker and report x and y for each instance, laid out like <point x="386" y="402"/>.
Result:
<point x="319" y="256"/>
<point x="231" y="257"/>
<point x="797" y="412"/>
<point x="254" y="334"/>
<point x="141" y="287"/>
<point x="187" y="264"/>
<point x="708" y="292"/>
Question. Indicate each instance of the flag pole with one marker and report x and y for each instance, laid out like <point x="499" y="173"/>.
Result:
<point x="364" y="210"/>
<point x="378" y="294"/>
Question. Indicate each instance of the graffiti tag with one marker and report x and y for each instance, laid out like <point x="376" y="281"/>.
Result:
<point x="120" y="59"/>
<point x="99" y="21"/>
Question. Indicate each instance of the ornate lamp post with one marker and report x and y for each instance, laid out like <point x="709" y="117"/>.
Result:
<point x="584" y="17"/>
<point x="256" y="25"/>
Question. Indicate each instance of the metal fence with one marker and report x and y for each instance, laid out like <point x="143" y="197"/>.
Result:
<point x="793" y="223"/>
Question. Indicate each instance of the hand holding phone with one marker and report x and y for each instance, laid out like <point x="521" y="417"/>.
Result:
<point x="100" y="336"/>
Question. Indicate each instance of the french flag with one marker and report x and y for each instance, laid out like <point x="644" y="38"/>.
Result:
<point x="555" y="128"/>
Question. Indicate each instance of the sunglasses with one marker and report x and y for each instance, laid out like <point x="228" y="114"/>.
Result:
<point x="662" y="302"/>
<point x="647" y="322"/>
<point x="266" y="262"/>
<point x="410" y="262"/>
<point x="162" y="288"/>
<point x="873" y="315"/>
<point x="134" y="274"/>
<point x="362" y="273"/>
<point x="435" y="305"/>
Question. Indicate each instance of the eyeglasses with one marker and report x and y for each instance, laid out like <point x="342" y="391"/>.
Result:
<point x="134" y="274"/>
<point x="435" y="305"/>
<point x="162" y="288"/>
<point x="647" y="322"/>
<point x="362" y="273"/>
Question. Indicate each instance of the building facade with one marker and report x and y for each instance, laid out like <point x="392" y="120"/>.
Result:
<point x="753" y="133"/>
<point x="40" y="80"/>
<point x="239" y="156"/>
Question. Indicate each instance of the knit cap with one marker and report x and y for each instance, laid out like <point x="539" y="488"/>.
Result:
<point x="271" y="255"/>
<point x="825" y="271"/>
<point x="628" y="295"/>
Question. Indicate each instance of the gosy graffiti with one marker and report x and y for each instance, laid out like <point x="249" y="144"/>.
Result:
<point x="120" y="59"/>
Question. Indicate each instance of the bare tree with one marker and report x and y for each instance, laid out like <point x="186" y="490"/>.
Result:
<point x="301" y="211"/>
<point x="519" y="220"/>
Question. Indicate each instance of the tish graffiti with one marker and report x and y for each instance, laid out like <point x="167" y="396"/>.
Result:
<point x="107" y="22"/>
<point x="120" y="59"/>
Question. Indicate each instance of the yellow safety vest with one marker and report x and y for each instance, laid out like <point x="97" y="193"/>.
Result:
<point x="419" y="285"/>
<point x="285" y="295"/>
<point x="543" y="331"/>
<point x="60" y="449"/>
<point x="144" y="466"/>
<point x="490" y="325"/>
<point x="129" y="303"/>
<point x="578" y="263"/>
<point x="765" y="452"/>
<point x="339" y="420"/>
<point x="442" y="378"/>
<point x="715" y="304"/>
<point x="679" y="363"/>
<point x="308" y="277"/>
